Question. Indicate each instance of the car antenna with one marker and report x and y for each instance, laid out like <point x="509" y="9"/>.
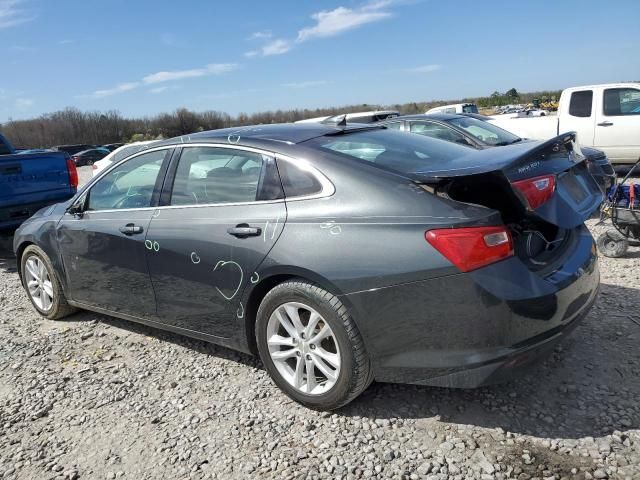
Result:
<point x="342" y="122"/>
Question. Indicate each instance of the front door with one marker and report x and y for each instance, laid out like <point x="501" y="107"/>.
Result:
<point x="104" y="246"/>
<point x="224" y="213"/>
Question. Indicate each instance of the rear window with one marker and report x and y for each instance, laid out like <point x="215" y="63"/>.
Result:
<point x="390" y="150"/>
<point x="580" y="104"/>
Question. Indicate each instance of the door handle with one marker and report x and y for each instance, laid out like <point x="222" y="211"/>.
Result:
<point x="605" y="124"/>
<point x="243" y="230"/>
<point x="131" y="229"/>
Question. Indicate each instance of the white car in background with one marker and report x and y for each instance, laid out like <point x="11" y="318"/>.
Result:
<point x="119" y="154"/>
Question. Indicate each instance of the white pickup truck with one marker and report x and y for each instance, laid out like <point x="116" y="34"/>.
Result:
<point x="606" y="117"/>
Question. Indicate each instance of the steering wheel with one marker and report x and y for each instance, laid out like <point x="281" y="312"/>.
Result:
<point x="136" y="200"/>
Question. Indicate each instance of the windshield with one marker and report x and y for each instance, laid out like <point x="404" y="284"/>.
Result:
<point x="390" y="149"/>
<point x="469" y="108"/>
<point x="484" y="131"/>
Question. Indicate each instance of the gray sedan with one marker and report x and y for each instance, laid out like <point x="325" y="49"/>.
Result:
<point x="339" y="254"/>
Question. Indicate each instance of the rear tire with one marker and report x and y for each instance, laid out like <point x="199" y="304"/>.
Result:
<point x="326" y="343"/>
<point x="612" y="244"/>
<point x="42" y="286"/>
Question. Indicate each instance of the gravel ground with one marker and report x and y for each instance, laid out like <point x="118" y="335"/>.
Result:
<point x="99" y="398"/>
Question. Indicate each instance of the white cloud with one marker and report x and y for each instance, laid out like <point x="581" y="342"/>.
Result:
<point x="164" y="88"/>
<point x="263" y="35"/>
<point x="423" y="69"/>
<point x="211" y="69"/>
<point x="342" y="19"/>
<point x="12" y="13"/>
<point x="306" y="84"/>
<point x="66" y="41"/>
<point x="24" y="103"/>
<point x="275" y="47"/>
<point x="121" y="88"/>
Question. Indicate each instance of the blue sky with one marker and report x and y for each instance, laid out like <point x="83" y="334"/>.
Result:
<point x="141" y="57"/>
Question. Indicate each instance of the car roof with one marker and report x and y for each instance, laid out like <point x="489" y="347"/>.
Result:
<point x="288" y="133"/>
<point x="431" y="116"/>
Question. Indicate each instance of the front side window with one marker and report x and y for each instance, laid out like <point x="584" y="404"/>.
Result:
<point x="129" y="185"/>
<point x="212" y="175"/>
<point x="580" y="103"/>
<point x="621" y="101"/>
<point x="436" y="130"/>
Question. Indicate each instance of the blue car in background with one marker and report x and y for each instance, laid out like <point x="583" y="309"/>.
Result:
<point x="31" y="180"/>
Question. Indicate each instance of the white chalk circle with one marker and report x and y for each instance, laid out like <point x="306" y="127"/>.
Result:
<point x="195" y="259"/>
<point x="240" y="311"/>
<point x="156" y="246"/>
<point x="221" y="264"/>
<point x="233" y="138"/>
<point x="148" y="244"/>
<point x="255" y="277"/>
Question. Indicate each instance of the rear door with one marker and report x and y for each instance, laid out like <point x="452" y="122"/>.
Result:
<point x="104" y="247"/>
<point x="220" y="217"/>
<point x="618" y="124"/>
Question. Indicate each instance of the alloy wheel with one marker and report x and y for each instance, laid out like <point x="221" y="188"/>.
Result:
<point x="303" y="348"/>
<point x="39" y="283"/>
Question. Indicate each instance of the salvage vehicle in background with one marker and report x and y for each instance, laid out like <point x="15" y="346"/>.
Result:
<point x="89" y="157"/>
<point x="475" y="131"/>
<point x="606" y="117"/>
<point x="31" y="181"/>
<point x="118" y="154"/>
<point x="372" y="116"/>
<point x="338" y="253"/>
<point x="72" y="149"/>
<point x="455" y="108"/>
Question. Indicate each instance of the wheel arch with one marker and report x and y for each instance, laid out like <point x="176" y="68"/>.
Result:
<point x="266" y="284"/>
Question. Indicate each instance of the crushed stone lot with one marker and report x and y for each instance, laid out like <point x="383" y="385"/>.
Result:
<point x="94" y="397"/>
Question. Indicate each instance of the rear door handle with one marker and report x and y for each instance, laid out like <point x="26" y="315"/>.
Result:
<point x="605" y="124"/>
<point x="243" y="230"/>
<point x="131" y="229"/>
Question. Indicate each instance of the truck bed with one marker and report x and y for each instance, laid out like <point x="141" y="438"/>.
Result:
<point x="29" y="182"/>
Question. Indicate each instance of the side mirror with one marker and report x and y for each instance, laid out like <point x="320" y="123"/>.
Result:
<point x="77" y="207"/>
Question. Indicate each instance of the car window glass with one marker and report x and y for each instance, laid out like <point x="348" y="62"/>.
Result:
<point x="580" y="103"/>
<point x="129" y="185"/>
<point x="297" y="181"/>
<point x="484" y="131"/>
<point x="394" y="125"/>
<point x="621" y="101"/>
<point x="391" y="150"/>
<point x="435" y="130"/>
<point x="210" y="175"/>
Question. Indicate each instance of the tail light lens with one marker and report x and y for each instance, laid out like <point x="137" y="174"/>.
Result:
<point x="470" y="248"/>
<point x="536" y="190"/>
<point x="73" y="173"/>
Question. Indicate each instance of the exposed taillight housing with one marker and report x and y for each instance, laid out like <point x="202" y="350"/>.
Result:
<point x="469" y="248"/>
<point x="536" y="190"/>
<point x="73" y="173"/>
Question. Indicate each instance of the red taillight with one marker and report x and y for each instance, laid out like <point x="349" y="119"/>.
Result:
<point x="73" y="173"/>
<point x="472" y="247"/>
<point x="536" y="190"/>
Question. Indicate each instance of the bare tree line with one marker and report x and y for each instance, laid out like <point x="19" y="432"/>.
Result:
<point x="72" y="126"/>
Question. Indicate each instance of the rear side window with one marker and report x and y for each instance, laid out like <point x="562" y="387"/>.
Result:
<point x="621" y="101"/>
<point x="435" y="130"/>
<point x="296" y="181"/>
<point x="211" y="175"/>
<point x="580" y="103"/>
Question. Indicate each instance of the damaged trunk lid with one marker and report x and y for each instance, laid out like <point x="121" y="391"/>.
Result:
<point x="548" y="181"/>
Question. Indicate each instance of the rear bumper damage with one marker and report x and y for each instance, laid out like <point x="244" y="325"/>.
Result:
<point x="479" y="328"/>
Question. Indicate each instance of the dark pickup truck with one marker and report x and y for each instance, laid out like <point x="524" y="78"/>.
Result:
<point x="31" y="181"/>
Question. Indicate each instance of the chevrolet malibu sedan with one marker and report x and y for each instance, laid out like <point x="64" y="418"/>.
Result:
<point x="339" y="254"/>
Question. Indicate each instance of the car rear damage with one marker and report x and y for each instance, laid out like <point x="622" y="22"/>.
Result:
<point x="524" y="283"/>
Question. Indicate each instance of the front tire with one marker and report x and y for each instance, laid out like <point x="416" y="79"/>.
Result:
<point x="311" y="347"/>
<point x="41" y="284"/>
